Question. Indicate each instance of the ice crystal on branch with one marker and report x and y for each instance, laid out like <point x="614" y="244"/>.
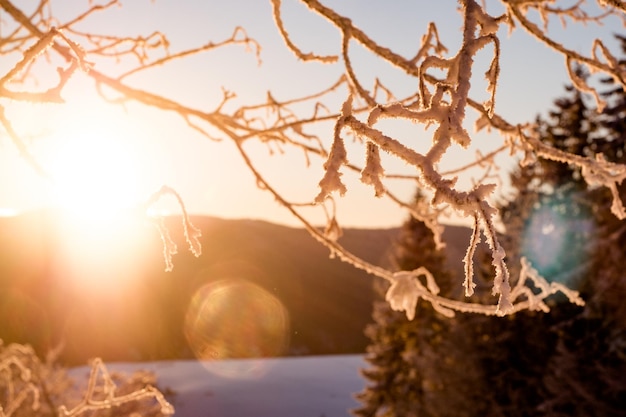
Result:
<point x="373" y="170"/>
<point x="403" y="293"/>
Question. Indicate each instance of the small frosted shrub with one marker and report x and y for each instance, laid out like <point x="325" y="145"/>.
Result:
<point x="30" y="387"/>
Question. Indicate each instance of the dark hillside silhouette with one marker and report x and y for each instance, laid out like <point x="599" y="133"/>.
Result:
<point x="139" y="311"/>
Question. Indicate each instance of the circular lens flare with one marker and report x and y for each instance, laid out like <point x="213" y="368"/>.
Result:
<point x="230" y="319"/>
<point x="556" y="238"/>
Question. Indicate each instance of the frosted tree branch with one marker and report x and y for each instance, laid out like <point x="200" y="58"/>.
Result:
<point x="440" y="101"/>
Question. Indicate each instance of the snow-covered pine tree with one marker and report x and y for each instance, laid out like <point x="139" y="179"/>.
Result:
<point x="406" y="356"/>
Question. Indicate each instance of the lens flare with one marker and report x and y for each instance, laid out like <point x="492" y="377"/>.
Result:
<point x="230" y="319"/>
<point x="556" y="239"/>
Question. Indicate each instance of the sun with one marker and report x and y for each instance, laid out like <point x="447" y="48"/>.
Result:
<point x="97" y="171"/>
<point x="93" y="166"/>
<point x="93" y="172"/>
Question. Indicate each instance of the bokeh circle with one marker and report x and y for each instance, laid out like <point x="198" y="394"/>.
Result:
<point x="236" y="319"/>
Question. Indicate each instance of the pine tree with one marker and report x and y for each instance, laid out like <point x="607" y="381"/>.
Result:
<point x="586" y="374"/>
<point x="568" y="362"/>
<point x="546" y="222"/>
<point x="571" y="361"/>
<point x="406" y="357"/>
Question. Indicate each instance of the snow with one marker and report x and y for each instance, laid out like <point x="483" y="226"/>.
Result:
<point x="312" y="386"/>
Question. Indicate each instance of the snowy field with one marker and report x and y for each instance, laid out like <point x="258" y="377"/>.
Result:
<point x="311" y="386"/>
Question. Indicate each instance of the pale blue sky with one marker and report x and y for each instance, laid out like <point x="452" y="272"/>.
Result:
<point x="210" y="176"/>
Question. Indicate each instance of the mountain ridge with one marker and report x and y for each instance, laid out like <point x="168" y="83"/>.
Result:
<point x="328" y="302"/>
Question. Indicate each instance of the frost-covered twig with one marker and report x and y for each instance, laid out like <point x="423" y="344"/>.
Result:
<point x="285" y="35"/>
<point x="535" y="301"/>
<point x="192" y="234"/>
<point x="610" y="67"/>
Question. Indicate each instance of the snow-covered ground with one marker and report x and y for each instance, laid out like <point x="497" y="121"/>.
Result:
<point x="312" y="386"/>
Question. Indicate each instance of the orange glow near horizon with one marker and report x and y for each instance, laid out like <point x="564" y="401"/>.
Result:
<point x="98" y="259"/>
<point x="91" y="153"/>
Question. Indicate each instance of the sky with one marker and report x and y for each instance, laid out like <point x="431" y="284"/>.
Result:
<point x="105" y="157"/>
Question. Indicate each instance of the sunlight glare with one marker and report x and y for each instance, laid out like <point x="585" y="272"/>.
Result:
<point x="90" y="151"/>
<point x="91" y="161"/>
